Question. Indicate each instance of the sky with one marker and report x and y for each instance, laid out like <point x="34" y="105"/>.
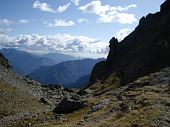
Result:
<point x="78" y="27"/>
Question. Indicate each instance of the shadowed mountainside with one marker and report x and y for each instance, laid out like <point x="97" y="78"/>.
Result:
<point x="64" y="73"/>
<point x="145" y="50"/>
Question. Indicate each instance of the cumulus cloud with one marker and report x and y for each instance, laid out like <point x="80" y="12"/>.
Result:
<point x="109" y="13"/>
<point x="5" y="22"/>
<point x="76" y="2"/>
<point x="46" y="7"/>
<point x="59" y="42"/>
<point x="23" y="21"/>
<point x="61" y="23"/>
<point x="43" y="6"/>
<point x="121" y="34"/>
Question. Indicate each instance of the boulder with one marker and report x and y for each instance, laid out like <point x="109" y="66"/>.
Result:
<point x="68" y="106"/>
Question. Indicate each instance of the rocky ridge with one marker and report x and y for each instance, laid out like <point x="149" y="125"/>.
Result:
<point x="145" y="50"/>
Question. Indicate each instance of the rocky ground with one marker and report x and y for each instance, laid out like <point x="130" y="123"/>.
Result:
<point x="25" y="102"/>
<point x="143" y="103"/>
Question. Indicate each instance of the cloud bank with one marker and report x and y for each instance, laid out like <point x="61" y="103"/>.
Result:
<point x="59" y="42"/>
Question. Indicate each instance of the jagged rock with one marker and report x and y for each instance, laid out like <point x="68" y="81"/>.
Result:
<point x="144" y="51"/>
<point x="68" y="106"/>
<point x="113" y="49"/>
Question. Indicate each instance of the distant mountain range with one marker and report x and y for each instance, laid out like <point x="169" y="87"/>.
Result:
<point x="59" y="57"/>
<point x="52" y="68"/>
<point x="24" y="62"/>
<point x="74" y="73"/>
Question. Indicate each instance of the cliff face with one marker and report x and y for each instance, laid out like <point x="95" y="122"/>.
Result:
<point x="145" y="50"/>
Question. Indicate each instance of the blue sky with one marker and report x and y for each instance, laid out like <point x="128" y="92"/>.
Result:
<point x="86" y="25"/>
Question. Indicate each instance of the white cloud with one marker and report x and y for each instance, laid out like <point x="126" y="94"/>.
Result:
<point x="83" y="20"/>
<point x="23" y="21"/>
<point x="61" y="23"/>
<point x="121" y="34"/>
<point x="4" y="31"/>
<point x="63" y="7"/>
<point x="109" y="13"/>
<point x="43" y="6"/>
<point x="46" y="7"/>
<point x="59" y="42"/>
<point x="5" y="22"/>
<point x="76" y="2"/>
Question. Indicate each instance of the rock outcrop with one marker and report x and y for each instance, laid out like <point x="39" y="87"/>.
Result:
<point x="145" y="50"/>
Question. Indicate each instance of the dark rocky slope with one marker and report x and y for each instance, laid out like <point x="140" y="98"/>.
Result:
<point x="145" y="50"/>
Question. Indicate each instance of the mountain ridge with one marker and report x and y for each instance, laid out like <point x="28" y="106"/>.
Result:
<point x="24" y="62"/>
<point x="65" y="72"/>
<point x="143" y="51"/>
